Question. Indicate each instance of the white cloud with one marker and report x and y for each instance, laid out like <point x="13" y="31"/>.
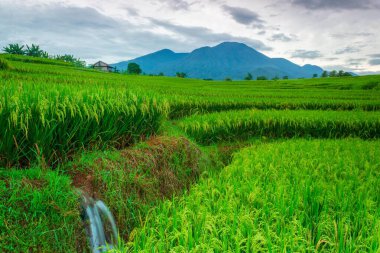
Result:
<point x="119" y="30"/>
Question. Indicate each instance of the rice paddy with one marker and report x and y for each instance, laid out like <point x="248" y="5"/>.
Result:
<point x="292" y="196"/>
<point x="155" y="149"/>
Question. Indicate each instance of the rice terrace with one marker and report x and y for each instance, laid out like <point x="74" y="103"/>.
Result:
<point x="222" y="149"/>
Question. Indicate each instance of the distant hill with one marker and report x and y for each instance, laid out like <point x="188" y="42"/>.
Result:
<point x="229" y="59"/>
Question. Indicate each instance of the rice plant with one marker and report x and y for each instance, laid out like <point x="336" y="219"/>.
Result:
<point x="293" y="196"/>
<point x="50" y="122"/>
<point x="245" y="124"/>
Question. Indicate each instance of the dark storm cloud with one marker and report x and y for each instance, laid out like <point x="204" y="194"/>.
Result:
<point x="282" y="37"/>
<point x="205" y="35"/>
<point x="244" y="16"/>
<point x="305" y="54"/>
<point x="374" y="62"/>
<point x="347" y="50"/>
<point x="336" y="4"/>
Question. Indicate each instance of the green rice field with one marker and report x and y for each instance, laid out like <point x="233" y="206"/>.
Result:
<point x="188" y="165"/>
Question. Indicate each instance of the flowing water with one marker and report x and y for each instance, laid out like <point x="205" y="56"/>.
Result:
<point x="99" y="224"/>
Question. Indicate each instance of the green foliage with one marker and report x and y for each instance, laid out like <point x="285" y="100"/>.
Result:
<point x="27" y="59"/>
<point x="50" y="113"/>
<point x="370" y="85"/>
<point x="181" y="74"/>
<point x="34" y="51"/>
<point x="133" y="69"/>
<point x="285" y="77"/>
<point x="71" y="59"/>
<point x="295" y="196"/>
<point x="333" y="73"/>
<point x="228" y="79"/>
<point x="240" y="125"/>
<point x="325" y="74"/>
<point x="39" y="212"/>
<point x="248" y="77"/>
<point x="4" y="64"/>
<point x="261" y="78"/>
<point x="14" y="49"/>
<point x="50" y="122"/>
<point x="136" y="179"/>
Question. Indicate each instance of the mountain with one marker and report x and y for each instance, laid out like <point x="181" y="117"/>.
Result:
<point x="228" y="59"/>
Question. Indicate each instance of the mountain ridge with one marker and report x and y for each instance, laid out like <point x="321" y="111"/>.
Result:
<point x="228" y="59"/>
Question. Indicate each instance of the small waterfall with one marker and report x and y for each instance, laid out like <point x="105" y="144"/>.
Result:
<point x="99" y="223"/>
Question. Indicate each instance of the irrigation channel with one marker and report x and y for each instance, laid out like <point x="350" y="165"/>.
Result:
<point x="99" y="223"/>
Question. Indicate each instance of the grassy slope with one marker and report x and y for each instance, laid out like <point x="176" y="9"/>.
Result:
<point x="292" y="196"/>
<point x="39" y="212"/>
<point x="133" y="180"/>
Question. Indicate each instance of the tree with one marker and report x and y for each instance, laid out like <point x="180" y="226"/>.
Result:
<point x="14" y="49"/>
<point x="133" y="69"/>
<point x="34" y="51"/>
<point x="315" y="75"/>
<point x="71" y="59"/>
<point x="181" y="74"/>
<point x="261" y="78"/>
<point x="161" y="74"/>
<point x="285" y="77"/>
<point x="333" y="73"/>
<point x="340" y="73"/>
<point x="248" y="77"/>
<point x="275" y="78"/>
<point x="228" y="79"/>
<point x="79" y="63"/>
<point x="347" y="74"/>
<point x="325" y="74"/>
<point x="66" y="58"/>
<point x="45" y="55"/>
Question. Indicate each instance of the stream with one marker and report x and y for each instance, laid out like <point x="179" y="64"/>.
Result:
<point x="99" y="223"/>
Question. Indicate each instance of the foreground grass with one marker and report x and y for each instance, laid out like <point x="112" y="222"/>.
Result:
<point x="39" y="212"/>
<point x="134" y="180"/>
<point x="294" y="196"/>
<point x="51" y="122"/>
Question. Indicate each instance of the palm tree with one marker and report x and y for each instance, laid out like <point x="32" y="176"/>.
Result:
<point x="14" y="49"/>
<point x="34" y="50"/>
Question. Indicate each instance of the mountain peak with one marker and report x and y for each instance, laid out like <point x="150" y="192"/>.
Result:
<point x="164" y="51"/>
<point x="227" y="59"/>
<point x="231" y="44"/>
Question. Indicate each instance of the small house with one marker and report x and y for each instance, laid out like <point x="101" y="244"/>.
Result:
<point x="102" y="66"/>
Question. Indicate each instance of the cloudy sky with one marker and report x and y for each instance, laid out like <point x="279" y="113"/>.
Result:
<point x="334" y="34"/>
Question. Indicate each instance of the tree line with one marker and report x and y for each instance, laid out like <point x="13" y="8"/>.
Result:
<point x="324" y="74"/>
<point x="36" y="51"/>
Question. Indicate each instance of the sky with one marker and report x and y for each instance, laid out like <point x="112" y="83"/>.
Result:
<point x="333" y="34"/>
